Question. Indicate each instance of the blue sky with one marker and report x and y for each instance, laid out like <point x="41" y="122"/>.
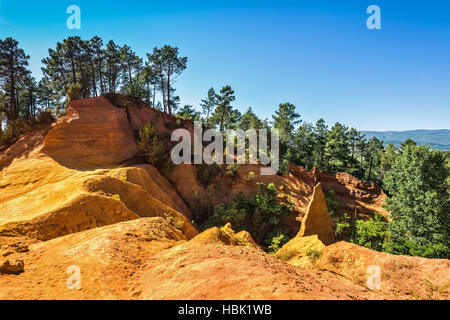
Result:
<point x="318" y="55"/>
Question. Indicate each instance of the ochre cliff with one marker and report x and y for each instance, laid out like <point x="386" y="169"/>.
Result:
<point x="77" y="194"/>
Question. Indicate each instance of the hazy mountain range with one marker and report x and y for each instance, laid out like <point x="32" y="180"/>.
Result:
<point x="436" y="139"/>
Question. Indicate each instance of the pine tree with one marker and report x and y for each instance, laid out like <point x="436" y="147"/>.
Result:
<point x="13" y="63"/>
<point x="224" y="111"/>
<point x="208" y="106"/>
<point x="320" y="140"/>
<point x="337" y="148"/>
<point x="286" y="120"/>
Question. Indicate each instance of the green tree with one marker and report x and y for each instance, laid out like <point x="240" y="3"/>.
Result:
<point x="286" y="120"/>
<point x="208" y="106"/>
<point x="320" y="140"/>
<point x="13" y="69"/>
<point x="188" y="112"/>
<point x="373" y="155"/>
<point x="337" y="148"/>
<point x="419" y="203"/>
<point x="223" y="113"/>
<point x="388" y="158"/>
<point x="250" y="120"/>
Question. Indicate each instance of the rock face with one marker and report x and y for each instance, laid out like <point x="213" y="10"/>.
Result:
<point x="74" y="196"/>
<point x="401" y="277"/>
<point x="94" y="134"/>
<point x="317" y="220"/>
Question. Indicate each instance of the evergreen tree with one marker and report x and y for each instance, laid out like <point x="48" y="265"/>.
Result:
<point x="208" y="106"/>
<point x="337" y="148"/>
<point x="320" y="139"/>
<point x="13" y="70"/>
<point x="188" y="112"/>
<point x="286" y="120"/>
<point x="224" y="111"/>
<point x="250" y="120"/>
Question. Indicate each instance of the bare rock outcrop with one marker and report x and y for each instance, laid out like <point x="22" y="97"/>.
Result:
<point x="317" y="220"/>
<point x="11" y="266"/>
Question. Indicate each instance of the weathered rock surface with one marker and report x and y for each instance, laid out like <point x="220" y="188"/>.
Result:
<point x="401" y="277"/>
<point x="107" y="259"/>
<point x="74" y="196"/>
<point x="317" y="220"/>
<point x="11" y="266"/>
<point x="295" y="252"/>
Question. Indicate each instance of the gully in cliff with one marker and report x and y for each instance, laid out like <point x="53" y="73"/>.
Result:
<point x="235" y="139"/>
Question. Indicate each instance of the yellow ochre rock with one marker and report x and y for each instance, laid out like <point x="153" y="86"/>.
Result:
<point x="317" y="220"/>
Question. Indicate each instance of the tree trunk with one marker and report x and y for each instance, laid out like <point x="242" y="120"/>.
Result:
<point x="94" y="82"/>
<point x="74" y="73"/>
<point x="154" y="96"/>
<point x="168" y="92"/>
<point x="12" y="98"/>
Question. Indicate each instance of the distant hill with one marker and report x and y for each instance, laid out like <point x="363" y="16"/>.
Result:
<point x="436" y="139"/>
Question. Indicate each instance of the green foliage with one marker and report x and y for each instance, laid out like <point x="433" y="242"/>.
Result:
<point x="250" y="177"/>
<point x="277" y="243"/>
<point x="313" y="255"/>
<point x="419" y="203"/>
<point x="206" y="174"/>
<point x="74" y="92"/>
<point x="232" y="170"/>
<point x="224" y="116"/>
<point x="332" y="204"/>
<point x="153" y="148"/>
<point x="343" y="226"/>
<point x="188" y="113"/>
<point x="261" y="215"/>
<point x="372" y="233"/>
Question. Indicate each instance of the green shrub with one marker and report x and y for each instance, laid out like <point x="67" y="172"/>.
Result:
<point x="371" y="234"/>
<point x="313" y="255"/>
<point x="232" y="171"/>
<point x="154" y="150"/>
<point x="261" y="215"/>
<point x="205" y="174"/>
<point x="330" y="197"/>
<point x="277" y="242"/>
<point x="73" y="93"/>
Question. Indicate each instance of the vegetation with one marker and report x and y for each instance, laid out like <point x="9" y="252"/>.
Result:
<point x="153" y="148"/>
<point x="419" y="203"/>
<point x="261" y="215"/>
<point x="416" y="179"/>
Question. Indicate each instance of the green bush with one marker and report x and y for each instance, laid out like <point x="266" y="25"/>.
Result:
<point x="154" y="150"/>
<point x="313" y="255"/>
<point x="205" y="174"/>
<point x="73" y="93"/>
<point x="261" y="215"/>
<point x="277" y="242"/>
<point x="371" y="234"/>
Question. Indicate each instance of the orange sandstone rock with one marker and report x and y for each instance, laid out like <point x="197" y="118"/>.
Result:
<point x="317" y="220"/>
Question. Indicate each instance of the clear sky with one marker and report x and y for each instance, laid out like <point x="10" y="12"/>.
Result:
<point x="317" y="54"/>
